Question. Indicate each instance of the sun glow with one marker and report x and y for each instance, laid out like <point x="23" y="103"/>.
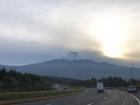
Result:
<point x="109" y="32"/>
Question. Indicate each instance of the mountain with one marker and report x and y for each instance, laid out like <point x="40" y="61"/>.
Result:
<point x="78" y="69"/>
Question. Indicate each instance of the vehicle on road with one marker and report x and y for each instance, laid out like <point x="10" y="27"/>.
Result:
<point x="100" y="87"/>
<point x="132" y="89"/>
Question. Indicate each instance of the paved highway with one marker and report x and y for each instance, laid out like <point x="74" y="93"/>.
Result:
<point x="90" y="97"/>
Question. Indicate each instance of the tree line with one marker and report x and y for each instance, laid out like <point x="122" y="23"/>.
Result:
<point x="11" y="80"/>
<point x="119" y="82"/>
<point x="111" y="81"/>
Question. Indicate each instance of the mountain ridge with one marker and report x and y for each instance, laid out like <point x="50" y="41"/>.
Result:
<point x="78" y="69"/>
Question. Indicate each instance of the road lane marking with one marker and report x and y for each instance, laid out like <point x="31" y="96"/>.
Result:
<point x="90" y="104"/>
<point x="105" y="98"/>
<point x="50" y="104"/>
<point x="135" y="98"/>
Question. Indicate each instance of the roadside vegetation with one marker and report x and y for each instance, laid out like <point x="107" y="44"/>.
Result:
<point x="110" y="81"/>
<point x="19" y="87"/>
<point x="34" y="94"/>
<point x="11" y="80"/>
<point x="15" y="81"/>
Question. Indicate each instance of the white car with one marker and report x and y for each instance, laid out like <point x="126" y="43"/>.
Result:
<point x="132" y="89"/>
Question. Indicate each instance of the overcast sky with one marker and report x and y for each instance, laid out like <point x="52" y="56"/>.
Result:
<point x="39" y="30"/>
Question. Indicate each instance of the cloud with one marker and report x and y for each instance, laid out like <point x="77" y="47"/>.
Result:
<point x="37" y="29"/>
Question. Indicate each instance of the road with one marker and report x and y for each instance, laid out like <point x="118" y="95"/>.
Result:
<point x="90" y="97"/>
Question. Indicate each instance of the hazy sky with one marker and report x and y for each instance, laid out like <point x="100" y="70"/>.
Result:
<point x="39" y="30"/>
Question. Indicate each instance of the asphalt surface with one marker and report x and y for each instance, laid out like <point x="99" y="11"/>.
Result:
<point x="90" y="97"/>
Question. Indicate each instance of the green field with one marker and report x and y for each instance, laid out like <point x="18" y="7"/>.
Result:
<point x="33" y="94"/>
<point x="9" y="98"/>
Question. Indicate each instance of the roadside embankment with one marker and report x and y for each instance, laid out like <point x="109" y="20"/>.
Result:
<point x="18" y="97"/>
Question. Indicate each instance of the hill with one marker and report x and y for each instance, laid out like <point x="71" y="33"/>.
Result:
<point x="78" y="69"/>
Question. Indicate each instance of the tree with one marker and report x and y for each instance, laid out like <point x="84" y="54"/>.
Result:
<point x="3" y="73"/>
<point x="1" y="85"/>
<point x="9" y="83"/>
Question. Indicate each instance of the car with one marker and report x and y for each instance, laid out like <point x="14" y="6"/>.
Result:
<point x="132" y="89"/>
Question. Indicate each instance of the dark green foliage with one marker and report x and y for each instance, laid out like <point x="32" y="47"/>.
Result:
<point x="86" y="83"/>
<point x="114" y="82"/>
<point x="108" y="82"/>
<point x="59" y="80"/>
<point x="15" y="81"/>
<point x="9" y="83"/>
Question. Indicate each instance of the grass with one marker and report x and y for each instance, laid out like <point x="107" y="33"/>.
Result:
<point x="33" y="94"/>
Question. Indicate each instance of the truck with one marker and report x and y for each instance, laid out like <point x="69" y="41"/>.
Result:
<point x="100" y="87"/>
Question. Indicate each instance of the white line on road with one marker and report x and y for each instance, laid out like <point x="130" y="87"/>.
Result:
<point x="105" y="98"/>
<point x="135" y="98"/>
<point x="90" y="104"/>
<point x="50" y="104"/>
